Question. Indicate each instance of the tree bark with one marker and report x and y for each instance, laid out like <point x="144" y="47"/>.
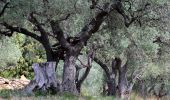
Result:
<point x="111" y="81"/>
<point x="45" y="78"/>
<point x="69" y="73"/>
<point x="3" y="9"/>
<point x="111" y="87"/>
<point x="124" y="87"/>
<point x="88" y="66"/>
<point x="77" y="78"/>
<point x="44" y="39"/>
<point x="122" y="83"/>
<point x="79" y="82"/>
<point x="49" y="52"/>
<point x="143" y="90"/>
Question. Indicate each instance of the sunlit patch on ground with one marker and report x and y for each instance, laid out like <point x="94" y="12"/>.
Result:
<point x="13" y="83"/>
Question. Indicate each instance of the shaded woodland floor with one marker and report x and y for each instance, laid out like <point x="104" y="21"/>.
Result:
<point x="8" y="91"/>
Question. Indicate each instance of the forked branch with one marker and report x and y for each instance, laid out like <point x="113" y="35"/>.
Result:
<point x="38" y="25"/>
<point x="134" y="15"/>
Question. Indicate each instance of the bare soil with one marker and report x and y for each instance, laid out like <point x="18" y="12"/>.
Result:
<point x="13" y="83"/>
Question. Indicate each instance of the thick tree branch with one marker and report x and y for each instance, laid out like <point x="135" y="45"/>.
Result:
<point x="59" y="34"/>
<point x="4" y="1"/>
<point x="94" y="3"/>
<point x="84" y="65"/>
<point x="35" y="22"/>
<point x="20" y="30"/>
<point x="128" y="20"/>
<point x="90" y="57"/>
<point x="94" y="25"/>
<point x="88" y="66"/>
<point x="44" y="36"/>
<point x="116" y="65"/>
<point x="125" y="67"/>
<point x="104" y="67"/>
<point x="45" y="1"/>
<point x="103" y="11"/>
<point x="3" y="9"/>
<point x="81" y="80"/>
<point x="158" y="40"/>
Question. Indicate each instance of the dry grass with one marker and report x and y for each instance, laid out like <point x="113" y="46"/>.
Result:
<point x="135" y="96"/>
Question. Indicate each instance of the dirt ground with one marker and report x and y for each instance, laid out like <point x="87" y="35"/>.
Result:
<point x="13" y="83"/>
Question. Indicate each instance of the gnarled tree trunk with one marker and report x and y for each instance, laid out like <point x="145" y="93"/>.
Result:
<point x="69" y="73"/>
<point x="117" y="75"/>
<point x="45" y="78"/>
<point x="124" y="87"/>
<point x="111" y="76"/>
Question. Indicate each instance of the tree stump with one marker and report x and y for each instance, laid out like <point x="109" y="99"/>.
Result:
<point x="45" y="78"/>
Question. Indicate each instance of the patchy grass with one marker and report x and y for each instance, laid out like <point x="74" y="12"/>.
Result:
<point x="18" y="95"/>
<point x="5" y="93"/>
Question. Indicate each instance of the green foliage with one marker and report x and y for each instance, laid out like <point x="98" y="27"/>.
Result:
<point x="31" y="52"/>
<point x="5" y="93"/>
<point x="134" y="44"/>
<point x="144" y="37"/>
<point x="8" y="57"/>
<point x="22" y="63"/>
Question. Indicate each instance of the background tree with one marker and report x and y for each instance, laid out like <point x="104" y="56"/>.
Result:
<point x="56" y="28"/>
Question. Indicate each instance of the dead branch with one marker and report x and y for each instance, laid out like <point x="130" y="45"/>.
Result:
<point x="59" y="34"/>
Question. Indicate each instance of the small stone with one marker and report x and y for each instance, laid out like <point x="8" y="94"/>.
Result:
<point x="24" y="78"/>
<point x="2" y="82"/>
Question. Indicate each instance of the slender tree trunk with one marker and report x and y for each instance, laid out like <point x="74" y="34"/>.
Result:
<point x="111" y="87"/>
<point x="79" y="83"/>
<point x="69" y="73"/>
<point x="124" y="87"/>
<point x="122" y="84"/>
<point x="77" y="78"/>
<point x="111" y="77"/>
<point x="143" y="90"/>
